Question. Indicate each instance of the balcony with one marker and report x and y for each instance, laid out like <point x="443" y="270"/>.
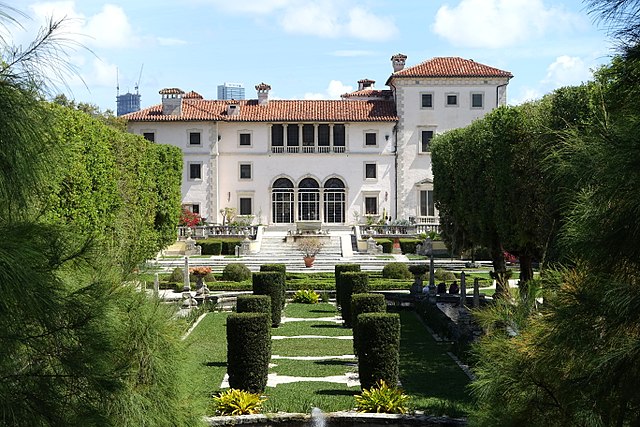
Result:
<point x="308" y="149"/>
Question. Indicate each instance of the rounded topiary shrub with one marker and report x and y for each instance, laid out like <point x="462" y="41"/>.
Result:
<point x="378" y="348"/>
<point x="270" y="283"/>
<point x="283" y="269"/>
<point x="339" y="269"/>
<point x="365" y="303"/>
<point x="248" y="351"/>
<point x="444" y="275"/>
<point x="351" y="282"/>
<point x="254" y="304"/>
<point x="396" y="270"/>
<point x="176" y="276"/>
<point x="236" y="273"/>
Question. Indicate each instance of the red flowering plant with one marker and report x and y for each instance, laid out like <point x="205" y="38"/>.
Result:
<point x="510" y="258"/>
<point x="189" y="219"/>
<point x="200" y="271"/>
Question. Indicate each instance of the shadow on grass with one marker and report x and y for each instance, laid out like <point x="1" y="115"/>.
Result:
<point x="336" y="326"/>
<point x="218" y="364"/>
<point x="330" y="392"/>
<point x="330" y="311"/>
<point x="333" y="362"/>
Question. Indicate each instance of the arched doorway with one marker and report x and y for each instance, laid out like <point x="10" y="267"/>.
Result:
<point x="308" y="200"/>
<point x="282" y="201"/>
<point x="334" y="201"/>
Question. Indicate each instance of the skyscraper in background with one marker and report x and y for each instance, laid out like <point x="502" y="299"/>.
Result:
<point x="231" y="91"/>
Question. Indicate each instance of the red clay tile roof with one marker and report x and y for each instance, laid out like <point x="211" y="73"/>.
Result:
<point x="275" y="111"/>
<point x="192" y="95"/>
<point x="450" y="67"/>
<point x="377" y="93"/>
<point x="171" y="91"/>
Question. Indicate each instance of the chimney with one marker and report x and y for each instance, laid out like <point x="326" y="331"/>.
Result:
<point x="263" y="93"/>
<point x="233" y="108"/>
<point x="171" y="101"/>
<point x="365" y="84"/>
<point x="398" y="61"/>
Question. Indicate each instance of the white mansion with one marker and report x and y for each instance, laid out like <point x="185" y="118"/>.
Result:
<point x="338" y="161"/>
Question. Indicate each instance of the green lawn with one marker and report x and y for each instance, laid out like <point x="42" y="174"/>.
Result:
<point x="435" y="383"/>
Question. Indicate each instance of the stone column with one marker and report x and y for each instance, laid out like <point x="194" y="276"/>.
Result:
<point x="463" y="289"/>
<point x="156" y="285"/>
<point x="476" y="293"/>
<point x="187" y="285"/>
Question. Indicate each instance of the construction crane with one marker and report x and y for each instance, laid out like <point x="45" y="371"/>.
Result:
<point x="139" y="78"/>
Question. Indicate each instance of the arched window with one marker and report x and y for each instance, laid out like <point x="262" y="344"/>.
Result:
<point x="334" y="200"/>
<point x="308" y="200"/>
<point x="282" y="201"/>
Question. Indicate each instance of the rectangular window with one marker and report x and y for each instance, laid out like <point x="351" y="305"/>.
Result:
<point x="477" y="100"/>
<point x="371" y="205"/>
<point x="194" y="138"/>
<point x="195" y="170"/>
<point x="308" y="135"/>
<point x="323" y="135"/>
<point x="452" y="99"/>
<point x="195" y="208"/>
<point x="370" y="171"/>
<point x="425" y="141"/>
<point x="426" y="100"/>
<point x="149" y="136"/>
<point x="339" y="135"/>
<point x="427" y="207"/>
<point x="245" y="139"/>
<point x="277" y="135"/>
<point x="370" y="139"/>
<point x="245" y="171"/>
<point x="293" y="135"/>
<point x="245" y="206"/>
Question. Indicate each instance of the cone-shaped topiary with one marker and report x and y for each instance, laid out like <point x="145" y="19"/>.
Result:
<point x="378" y="348"/>
<point x="270" y="283"/>
<point x="248" y="351"/>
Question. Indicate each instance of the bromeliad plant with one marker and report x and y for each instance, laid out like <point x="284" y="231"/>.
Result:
<point x="382" y="399"/>
<point x="306" y="296"/>
<point x="238" y="402"/>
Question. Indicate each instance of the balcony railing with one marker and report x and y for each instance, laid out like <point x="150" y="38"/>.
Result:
<point x="307" y="149"/>
<point x="418" y="226"/>
<point x="205" y="231"/>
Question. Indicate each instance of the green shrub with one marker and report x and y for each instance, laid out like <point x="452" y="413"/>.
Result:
<point x="365" y="303"/>
<point x="238" y="402"/>
<point x="382" y="398"/>
<point x="339" y="269"/>
<point x="408" y="246"/>
<point x="236" y="273"/>
<point x="210" y="246"/>
<point x="283" y="269"/>
<point x="253" y="304"/>
<point x="270" y="283"/>
<point x="444" y="275"/>
<point x="396" y="270"/>
<point x="306" y="296"/>
<point x="378" y="348"/>
<point x="248" y="351"/>
<point x="419" y="269"/>
<point x="229" y="245"/>
<point x="351" y="282"/>
<point x="176" y="276"/>
<point x="387" y="245"/>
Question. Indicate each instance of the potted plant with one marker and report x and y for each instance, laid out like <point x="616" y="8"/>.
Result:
<point x="200" y="273"/>
<point x="309" y="246"/>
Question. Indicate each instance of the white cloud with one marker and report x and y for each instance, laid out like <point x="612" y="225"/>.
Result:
<point x="526" y="94"/>
<point x="334" y="90"/>
<point x="259" y="7"/>
<point x="567" y="70"/>
<point x="103" y="74"/>
<point x="313" y="19"/>
<point x="500" y="23"/>
<point x="367" y="26"/>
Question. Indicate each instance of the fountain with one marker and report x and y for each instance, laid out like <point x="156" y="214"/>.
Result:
<point x="317" y="418"/>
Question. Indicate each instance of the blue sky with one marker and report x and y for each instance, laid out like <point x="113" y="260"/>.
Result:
<point x="313" y="49"/>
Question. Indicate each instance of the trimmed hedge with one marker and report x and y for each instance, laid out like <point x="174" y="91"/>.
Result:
<point x="387" y="245"/>
<point x="378" y="348"/>
<point x="210" y="246"/>
<point x="270" y="283"/>
<point x="365" y="303"/>
<point x="339" y="269"/>
<point x="254" y="304"/>
<point x="229" y="246"/>
<point x="351" y="282"/>
<point x="248" y="351"/>
<point x="283" y="269"/>
<point x="408" y="246"/>
<point x="236" y="273"/>
<point x="396" y="270"/>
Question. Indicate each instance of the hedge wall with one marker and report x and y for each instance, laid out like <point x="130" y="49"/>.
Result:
<point x="351" y="282"/>
<point x="387" y="245"/>
<point x="378" y="348"/>
<point x="270" y="283"/>
<point x="248" y="351"/>
<point x="341" y="268"/>
<point x="210" y="246"/>
<point x="254" y="304"/>
<point x="365" y="303"/>
<point x="408" y="246"/>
